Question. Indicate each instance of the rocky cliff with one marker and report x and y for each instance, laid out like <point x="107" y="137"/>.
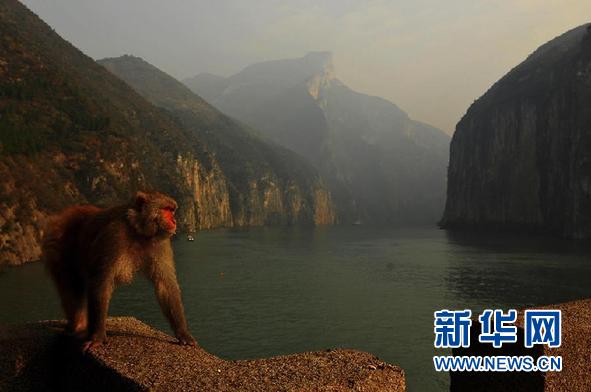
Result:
<point x="380" y="165"/>
<point x="521" y="157"/>
<point x="72" y="132"/>
<point x="266" y="182"/>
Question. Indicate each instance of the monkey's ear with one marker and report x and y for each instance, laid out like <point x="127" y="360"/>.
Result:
<point x="139" y="200"/>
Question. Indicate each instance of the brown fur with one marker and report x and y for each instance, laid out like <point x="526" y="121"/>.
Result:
<point x="89" y="250"/>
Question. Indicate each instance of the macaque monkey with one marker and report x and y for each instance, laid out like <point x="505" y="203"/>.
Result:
<point x="89" y="250"/>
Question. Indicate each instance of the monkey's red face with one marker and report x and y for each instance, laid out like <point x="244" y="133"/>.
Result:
<point x="168" y="218"/>
<point x="152" y="214"/>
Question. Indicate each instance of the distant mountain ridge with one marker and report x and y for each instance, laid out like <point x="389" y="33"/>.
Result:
<point x="520" y="157"/>
<point x="71" y="132"/>
<point x="254" y="168"/>
<point x="381" y="166"/>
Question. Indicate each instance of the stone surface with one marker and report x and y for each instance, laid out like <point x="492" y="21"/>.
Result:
<point x="137" y="357"/>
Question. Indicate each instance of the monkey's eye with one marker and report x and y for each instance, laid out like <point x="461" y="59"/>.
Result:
<point x="169" y="209"/>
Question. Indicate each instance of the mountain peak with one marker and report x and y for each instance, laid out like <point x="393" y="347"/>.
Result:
<point x="322" y="62"/>
<point x="380" y="165"/>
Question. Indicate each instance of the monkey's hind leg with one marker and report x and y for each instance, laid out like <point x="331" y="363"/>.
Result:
<point x="73" y="298"/>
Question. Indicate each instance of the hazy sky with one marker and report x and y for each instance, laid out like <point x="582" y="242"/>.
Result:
<point x="430" y="57"/>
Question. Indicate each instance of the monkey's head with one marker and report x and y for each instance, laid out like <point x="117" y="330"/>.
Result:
<point x="151" y="214"/>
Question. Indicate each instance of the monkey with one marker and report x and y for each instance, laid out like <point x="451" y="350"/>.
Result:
<point x="88" y="251"/>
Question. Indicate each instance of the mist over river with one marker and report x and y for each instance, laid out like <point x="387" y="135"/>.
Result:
<point x="269" y="291"/>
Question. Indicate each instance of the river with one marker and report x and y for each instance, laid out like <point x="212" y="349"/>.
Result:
<point x="269" y="291"/>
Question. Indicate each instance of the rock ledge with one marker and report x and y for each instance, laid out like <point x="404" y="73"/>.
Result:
<point x="137" y="357"/>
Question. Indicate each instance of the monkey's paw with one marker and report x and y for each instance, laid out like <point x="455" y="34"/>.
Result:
<point x="89" y="344"/>
<point x="93" y="343"/>
<point x="185" y="339"/>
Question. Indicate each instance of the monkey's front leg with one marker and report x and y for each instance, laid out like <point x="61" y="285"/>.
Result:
<point x="169" y="297"/>
<point x="99" y="296"/>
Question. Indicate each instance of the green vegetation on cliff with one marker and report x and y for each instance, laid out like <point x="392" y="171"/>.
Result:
<point x="72" y="132"/>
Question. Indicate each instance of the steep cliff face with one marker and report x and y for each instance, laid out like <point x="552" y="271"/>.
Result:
<point x="264" y="182"/>
<point x="71" y="132"/>
<point x="380" y="165"/>
<point x="520" y="157"/>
